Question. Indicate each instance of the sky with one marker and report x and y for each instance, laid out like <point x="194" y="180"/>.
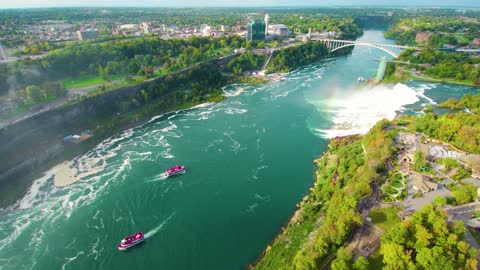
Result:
<point x="237" y="3"/>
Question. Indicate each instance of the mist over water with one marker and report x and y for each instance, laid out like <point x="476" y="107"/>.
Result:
<point x="248" y="159"/>
<point x="356" y="111"/>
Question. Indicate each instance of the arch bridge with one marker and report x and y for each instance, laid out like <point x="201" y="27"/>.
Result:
<point x="392" y="49"/>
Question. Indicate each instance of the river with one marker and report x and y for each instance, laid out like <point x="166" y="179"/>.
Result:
<point x="249" y="160"/>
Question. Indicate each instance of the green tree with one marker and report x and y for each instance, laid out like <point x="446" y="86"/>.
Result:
<point x="144" y="95"/>
<point x="427" y="241"/>
<point x="420" y="162"/>
<point x="440" y="200"/>
<point x="148" y="71"/>
<point x="360" y="264"/>
<point x="343" y="260"/>
<point x="449" y="163"/>
<point x="394" y="256"/>
<point x="303" y="261"/>
<point x="134" y="67"/>
<point x="473" y="75"/>
<point x="34" y="94"/>
<point x="465" y="193"/>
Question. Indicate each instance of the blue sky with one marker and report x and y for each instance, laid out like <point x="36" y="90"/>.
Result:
<point x="160" y="3"/>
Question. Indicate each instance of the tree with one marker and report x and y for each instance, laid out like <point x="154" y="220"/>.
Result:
<point x="440" y="200"/>
<point x="420" y="161"/>
<point x="302" y="261"/>
<point x="465" y="193"/>
<point x="34" y="50"/>
<point x="360" y="264"/>
<point x="148" y="71"/>
<point x="144" y="95"/>
<point x="428" y="109"/>
<point x="394" y="256"/>
<point x="449" y="163"/>
<point x="133" y="67"/>
<point x="427" y="241"/>
<point x="103" y="72"/>
<point x="473" y="75"/>
<point x="34" y="93"/>
<point x="343" y="260"/>
<point x="248" y="46"/>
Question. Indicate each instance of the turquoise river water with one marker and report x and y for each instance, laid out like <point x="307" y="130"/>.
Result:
<point x="249" y="160"/>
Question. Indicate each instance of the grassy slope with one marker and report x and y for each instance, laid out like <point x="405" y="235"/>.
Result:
<point x="385" y="218"/>
<point x="89" y="80"/>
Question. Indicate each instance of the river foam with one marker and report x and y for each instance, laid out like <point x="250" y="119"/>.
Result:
<point x="357" y="110"/>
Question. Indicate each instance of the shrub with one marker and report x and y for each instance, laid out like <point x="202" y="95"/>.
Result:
<point x="440" y="200"/>
<point x="418" y="194"/>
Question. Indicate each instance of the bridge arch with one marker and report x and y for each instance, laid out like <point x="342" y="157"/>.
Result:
<point x="366" y="44"/>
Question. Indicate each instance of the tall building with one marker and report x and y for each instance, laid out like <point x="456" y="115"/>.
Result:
<point x="88" y="34"/>
<point x="256" y="30"/>
<point x="2" y="53"/>
<point x="279" y="30"/>
<point x="147" y="29"/>
<point x="267" y="19"/>
<point x="206" y="30"/>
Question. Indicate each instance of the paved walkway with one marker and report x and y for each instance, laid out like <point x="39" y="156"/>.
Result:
<point x="365" y="240"/>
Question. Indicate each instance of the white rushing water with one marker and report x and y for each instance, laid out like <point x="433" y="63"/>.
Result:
<point x="356" y="111"/>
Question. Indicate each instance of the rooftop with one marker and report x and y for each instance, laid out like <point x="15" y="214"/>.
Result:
<point x="422" y="183"/>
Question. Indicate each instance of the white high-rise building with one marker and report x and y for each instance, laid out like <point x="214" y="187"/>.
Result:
<point x="146" y="28"/>
<point x="206" y="30"/>
<point x="267" y="18"/>
<point x="2" y="53"/>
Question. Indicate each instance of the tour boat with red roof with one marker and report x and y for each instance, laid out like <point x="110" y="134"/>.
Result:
<point x="130" y="241"/>
<point x="175" y="170"/>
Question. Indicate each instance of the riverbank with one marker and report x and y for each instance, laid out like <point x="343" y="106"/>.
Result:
<point x="401" y="75"/>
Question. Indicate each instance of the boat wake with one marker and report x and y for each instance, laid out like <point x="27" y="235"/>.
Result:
<point x="155" y="230"/>
<point x="158" y="177"/>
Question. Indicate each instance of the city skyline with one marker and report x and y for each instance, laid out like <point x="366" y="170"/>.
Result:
<point x="233" y="3"/>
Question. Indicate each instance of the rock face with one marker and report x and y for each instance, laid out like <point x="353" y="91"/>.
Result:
<point x="37" y="139"/>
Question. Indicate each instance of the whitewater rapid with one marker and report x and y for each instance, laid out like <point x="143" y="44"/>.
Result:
<point x="356" y="110"/>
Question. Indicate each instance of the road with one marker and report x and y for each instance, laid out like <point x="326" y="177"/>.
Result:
<point x="28" y="114"/>
<point x="465" y="211"/>
<point x="13" y="59"/>
<point x="420" y="75"/>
